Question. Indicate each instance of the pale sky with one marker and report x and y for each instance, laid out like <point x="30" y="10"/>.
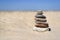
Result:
<point x="29" y="4"/>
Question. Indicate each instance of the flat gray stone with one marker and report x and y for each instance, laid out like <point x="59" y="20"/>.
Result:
<point x="39" y="12"/>
<point x="40" y="16"/>
<point x="40" y="20"/>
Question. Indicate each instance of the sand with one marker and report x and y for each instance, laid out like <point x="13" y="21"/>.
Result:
<point x="18" y="25"/>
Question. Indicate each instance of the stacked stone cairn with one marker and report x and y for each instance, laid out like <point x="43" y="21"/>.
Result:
<point x="41" y="22"/>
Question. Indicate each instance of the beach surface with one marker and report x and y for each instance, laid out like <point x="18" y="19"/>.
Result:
<point x="18" y="25"/>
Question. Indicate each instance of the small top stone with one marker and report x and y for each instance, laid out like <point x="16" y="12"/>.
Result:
<point x="40" y="12"/>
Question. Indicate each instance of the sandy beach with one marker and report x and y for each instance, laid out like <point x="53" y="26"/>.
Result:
<point x="18" y="25"/>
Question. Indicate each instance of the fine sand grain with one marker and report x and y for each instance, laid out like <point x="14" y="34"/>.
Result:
<point x="17" y="25"/>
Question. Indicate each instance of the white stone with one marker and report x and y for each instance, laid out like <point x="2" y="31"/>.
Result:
<point x="40" y="29"/>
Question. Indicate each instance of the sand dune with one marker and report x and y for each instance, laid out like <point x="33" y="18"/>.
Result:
<point x="18" y="26"/>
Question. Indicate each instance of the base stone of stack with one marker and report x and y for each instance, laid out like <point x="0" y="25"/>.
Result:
<point x="40" y="29"/>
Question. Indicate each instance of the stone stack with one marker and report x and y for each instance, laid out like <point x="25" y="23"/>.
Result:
<point x="41" y="22"/>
